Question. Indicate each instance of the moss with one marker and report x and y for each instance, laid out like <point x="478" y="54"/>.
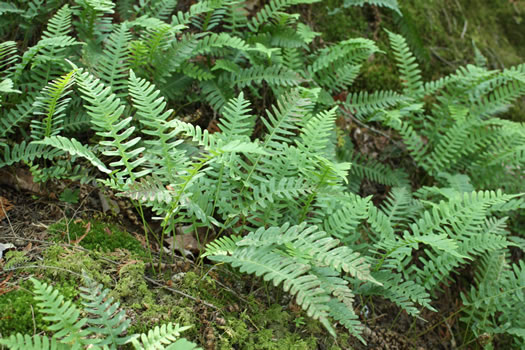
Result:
<point x="337" y="23"/>
<point x="16" y="311"/>
<point x="19" y="312"/>
<point x="100" y="236"/>
<point x="64" y="264"/>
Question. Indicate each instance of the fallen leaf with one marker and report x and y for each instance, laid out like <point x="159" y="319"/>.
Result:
<point x="183" y="243"/>
<point x="5" y="206"/>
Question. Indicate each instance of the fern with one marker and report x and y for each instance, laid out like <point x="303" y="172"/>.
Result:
<point x="112" y="66"/>
<point x="51" y="104"/>
<point x="74" y="148"/>
<point x="408" y="67"/>
<point x="106" y="111"/>
<point x="162" y="151"/>
<point x="271" y="10"/>
<point x="21" y="342"/>
<point x="101" y="329"/>
<point x="268" y="253"/>
<point x="109" y="322"/>
<point x="65" y="315"/>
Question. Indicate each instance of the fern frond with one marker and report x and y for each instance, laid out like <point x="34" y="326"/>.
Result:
<point x="225" y="245"/>
<point x="236" y="121"/>
<point x="271" y="10"/>
<point x="63" y="314"/>
<point x="273" y="75"/>
<point x="26" y="152"/>
<point x="163" y="155"/>
<point x="371" y="169"/>
<point x="105" y="319"/>
<point x="51" y="104"/>
<point x="399" y="206"/>
<point x="408" y="67"/>
<point x="37" y="342"/>
<point x="364" y="104"/>
<point x="106" y="111"/>
<point x="112" y="65"/>
<point x="8" y="57"/>
<point x="280" y="269"/>
<point x="158" y="337"/>
<point x="59" y="24"/>
<point x="318" y="245"/>
<point x="149" y="190"/>
<point x="75" y="148"/>
<point x="195" y="10"/>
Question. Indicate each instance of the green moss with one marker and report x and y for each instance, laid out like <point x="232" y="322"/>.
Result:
<point x="16" y="311"/>
<point x="337" y="23"/>
<point x="100" y="235"/>
<point x="19" y="312"/>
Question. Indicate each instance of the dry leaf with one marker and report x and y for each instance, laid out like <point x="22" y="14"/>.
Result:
<point x="5" y="206"/>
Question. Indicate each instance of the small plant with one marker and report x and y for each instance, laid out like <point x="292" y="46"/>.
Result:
<point x="103" y="326"/>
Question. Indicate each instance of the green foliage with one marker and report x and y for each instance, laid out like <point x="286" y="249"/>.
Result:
<point x="450" y="125"/>
<point x="391" y="4"/>
<point x="101" y="329"/>
<point x="223" y="118"/>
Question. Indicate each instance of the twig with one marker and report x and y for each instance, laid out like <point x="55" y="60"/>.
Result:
<point x="434" y="52"/>
<point x="34" y="321"/>
<point x="7" y="217"/>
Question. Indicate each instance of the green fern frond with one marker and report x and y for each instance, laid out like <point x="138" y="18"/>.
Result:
<point x="225" y="245"/>
<point x="216" y="93"/>
<point x="399" y="206"/>
<point x="271" y="10"/>
<point x="236" y="121"/>
<point x="105" y="319"/>
<point x="280" y="269"/>
<point x="75" y="148"/>
<point x="149" y="190"/>
<point x="112" y="65"/>
<point x="214" y="41"/>
<point x="318" y="245"/>
<point x="346" y="317"/>
<point x="196" y="9"/>
<point x="8" y="57"/>
<point x="371" y="169"/>
<point x="352" y="51"/>
<point x="408" y="67"/>
<point x="106" y="110"/>
<point x="163" y="155"/>
<point x="64" y="315"/>
<point x="364" y="104"/>
<point x="51" y="104"/>
<point x="59" y="24"/>
<point x="316" y="133"/>
<point x="160" y="336"/>
<point x="26" y="152"/>
<point x="342" y="217"/>
<point x="273" y="75"/>
<point x="160" y="9"/>
<point x="37" y="342"/>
